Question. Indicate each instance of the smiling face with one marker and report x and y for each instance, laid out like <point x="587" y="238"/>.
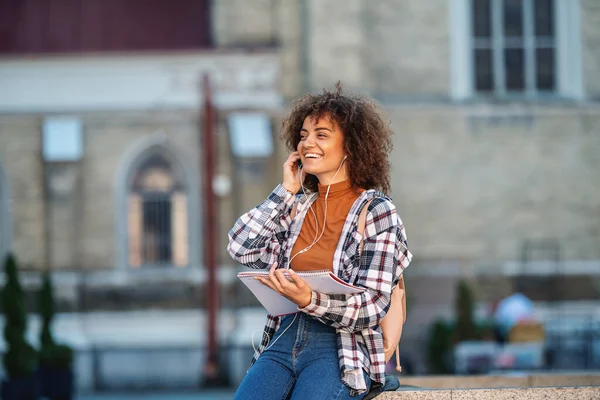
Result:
<point x="321" y="149"/>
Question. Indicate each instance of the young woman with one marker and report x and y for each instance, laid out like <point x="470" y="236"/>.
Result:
<point x="332" y="347"/>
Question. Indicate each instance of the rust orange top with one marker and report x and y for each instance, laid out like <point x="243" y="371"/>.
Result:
<point x="320" y="256"/>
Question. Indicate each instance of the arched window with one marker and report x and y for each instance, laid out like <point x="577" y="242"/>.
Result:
<point x="157" y="212"/>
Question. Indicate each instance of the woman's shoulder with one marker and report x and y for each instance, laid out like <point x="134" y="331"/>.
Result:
<point x="377" y="201"/>
<point x="381" y="208"/>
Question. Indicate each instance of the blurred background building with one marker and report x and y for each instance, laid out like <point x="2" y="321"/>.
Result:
<point x="495" y="165"/>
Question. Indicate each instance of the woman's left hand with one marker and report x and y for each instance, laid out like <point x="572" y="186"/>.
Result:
<point x="294" y="288"/>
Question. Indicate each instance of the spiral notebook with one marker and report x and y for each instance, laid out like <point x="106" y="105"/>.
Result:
<point x="277" y="305"/>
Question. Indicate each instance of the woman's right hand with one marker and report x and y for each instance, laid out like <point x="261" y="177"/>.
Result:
<point x="290" y="173"/>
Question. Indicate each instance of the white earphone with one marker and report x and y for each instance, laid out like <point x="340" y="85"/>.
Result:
<point x="316" y="239"/>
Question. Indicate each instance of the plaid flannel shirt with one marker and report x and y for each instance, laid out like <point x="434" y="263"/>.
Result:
<point x="266" y="234"/>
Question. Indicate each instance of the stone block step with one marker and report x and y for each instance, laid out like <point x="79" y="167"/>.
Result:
<point x="557" y="393"/>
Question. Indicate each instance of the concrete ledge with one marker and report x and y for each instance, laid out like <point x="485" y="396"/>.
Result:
<point x="524" y="380"/>
<point x="559" y="393"/>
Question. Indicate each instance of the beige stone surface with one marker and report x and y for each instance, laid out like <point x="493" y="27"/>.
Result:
<point x="390" y="47"/>
<point x="394" y="48"/>
<point x="290" y="34"/>
<point x="590" y="36"/>
<point x="471" y="382"/>
<point x="242" y="22"/>
<point x="471" y="183"/>
<point x="489" y="177"/>
<point x="407" y="47"/>
<point x="565" y="380"/>
<point x="564" y="393"/>
<point x="110" y="141"/>
<point x="560" y="393"/>
<point x="417" y="395"/>
<point x="338" y="51"/>
<point x="20" y="155"/>
<point x="368" y="46"/>
<point x="501" y="381"/>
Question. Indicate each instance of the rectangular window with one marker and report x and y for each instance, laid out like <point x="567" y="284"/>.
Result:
<point x="62" y="139"/>
<point x="514" y="46"/>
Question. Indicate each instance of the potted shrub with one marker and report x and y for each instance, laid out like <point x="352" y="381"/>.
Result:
<point x="56" y="360"/>
<point x="20" y="359"/>
<point x="440" y="347"/>
<point x="465" y="324"/>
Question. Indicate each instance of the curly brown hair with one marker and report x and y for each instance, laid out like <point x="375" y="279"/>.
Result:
<point x="367" y="136"/>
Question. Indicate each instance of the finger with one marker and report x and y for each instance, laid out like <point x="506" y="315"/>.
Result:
<point x="296" y="280"/>
<point x="282" y="280"/>
<point x="293" y="158"/>
<point x="266" y="282"/>
<point x="272" y="270"/>
<point x="293" y="276"/>
<point x="274" y="279"/>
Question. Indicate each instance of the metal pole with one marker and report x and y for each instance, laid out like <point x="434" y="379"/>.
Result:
<point x="212" y="372"/>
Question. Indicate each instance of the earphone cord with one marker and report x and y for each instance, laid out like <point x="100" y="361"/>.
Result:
<point x="315" y="215"/>
<point x="267" y="345"/>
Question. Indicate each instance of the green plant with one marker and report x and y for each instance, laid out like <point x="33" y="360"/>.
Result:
<point x="46" y="306"/>
<point x="439" y="347"/>
<point x="465" y="325"/>
<point x="20" y="359"/>
<point x="57" y="356"/>
<point x="53" y="355"/>
<point x="443" y="335"/>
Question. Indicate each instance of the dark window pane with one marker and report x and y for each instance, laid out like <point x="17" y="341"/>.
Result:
<point x="544" y="18"/>
<point x="513" y="18"/>
<point x="545" y="69"/>
<point x="513" y="66"/>
<point x="484" y="79"/>
<point x="157" y="228"/>
<point x="481" y="18"/>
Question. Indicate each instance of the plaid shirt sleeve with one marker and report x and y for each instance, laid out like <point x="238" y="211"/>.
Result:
<point x="257" y="236"/>
<point x="383" y="259"/>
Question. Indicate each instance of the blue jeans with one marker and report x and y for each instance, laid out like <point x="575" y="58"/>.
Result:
<point x="300" y="362"/>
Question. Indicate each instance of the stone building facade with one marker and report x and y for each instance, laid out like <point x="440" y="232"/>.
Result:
<point x="496" y="152"/>
<point x="496" y="167"/>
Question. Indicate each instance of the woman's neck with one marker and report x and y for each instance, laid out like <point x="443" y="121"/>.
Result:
<point x="333" y="177"/>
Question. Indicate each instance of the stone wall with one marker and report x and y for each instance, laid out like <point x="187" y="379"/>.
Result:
<point x="20" y="154"/>
<point x="265" y="23"/>
<point x="590" y="35"/>
<point x="407" y="48"/>
<point x="474" y="182"/>
<point x="396" y="49"/>
<point x="245" y="23"/>
<point x="112" y="140"/>
<point x="471" y="183"/>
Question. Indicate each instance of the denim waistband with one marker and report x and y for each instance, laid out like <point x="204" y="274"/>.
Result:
<point x="303" y="319"/>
